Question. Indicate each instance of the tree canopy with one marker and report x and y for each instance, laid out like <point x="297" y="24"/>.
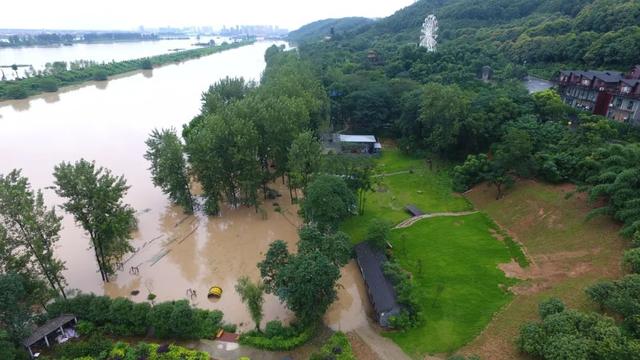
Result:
<point x="95" y="198"/>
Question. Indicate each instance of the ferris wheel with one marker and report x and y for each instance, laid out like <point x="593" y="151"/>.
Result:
<point x="429" y="36"/>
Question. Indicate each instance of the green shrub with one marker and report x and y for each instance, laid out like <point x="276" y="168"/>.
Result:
<point x="278" y="343"/>
<point x="208" y="322"/>
<point x="378" y="233"/>
<point x="16" y="92"/>
<point x="410" y="315"/>
<point x="146" y="64"/>
<point x="635" y="240"/>
<point x="95" y="346"/>
<point x="337" y="347"/>
<point x="106" y="349"/>
<point x="122" y="317"/>
<point x="550" y="306"/>
<point x="231" y="328"/>
<point x="85" y="328"/>
<point x="100" y="75"/>
<point x="275" y="328"/>
<point x="632" y="259"/>
<point x="49" y="84"/>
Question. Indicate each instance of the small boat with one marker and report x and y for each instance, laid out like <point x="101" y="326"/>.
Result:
<point x="215" y="292"/>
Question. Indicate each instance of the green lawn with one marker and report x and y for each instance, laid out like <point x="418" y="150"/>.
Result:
<point x="453" y="259"/>
<point x="428" y="190"/>
<point x="454" y="263"/>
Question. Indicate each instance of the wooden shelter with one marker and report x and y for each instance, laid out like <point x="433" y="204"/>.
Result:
<point x="413" y="210"/>
<point x="51" y="327"/>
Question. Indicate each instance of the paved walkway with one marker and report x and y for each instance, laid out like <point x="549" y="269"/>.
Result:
<point x="384" y="348"/>
<point x="415" y="219"/>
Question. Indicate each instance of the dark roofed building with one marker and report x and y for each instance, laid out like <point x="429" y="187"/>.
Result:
<point x="381" y="292"/>
<point x="54" y="326"/>
<point x="608" y="93"/>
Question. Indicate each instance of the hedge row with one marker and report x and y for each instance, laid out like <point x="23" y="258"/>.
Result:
<point x="97" y="348"/>
<point x="22" y="88"/>
<point x="277" y="337"/>
<point x="123" y="317"/>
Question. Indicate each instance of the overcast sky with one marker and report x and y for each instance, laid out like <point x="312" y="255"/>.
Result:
<point x="129" y="14"/>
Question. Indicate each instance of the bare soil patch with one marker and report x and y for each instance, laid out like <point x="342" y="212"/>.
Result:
<point x="567" y="254"/>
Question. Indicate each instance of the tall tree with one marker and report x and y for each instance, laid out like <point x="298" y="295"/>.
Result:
<point x="306" y="282"/>
<point x="335" y="246"/>
<point x="252" y="295"/>
<point x="169" y="167"/>
<point x="30" y="230"/>
<point x="223" y="153"/>
<point x="327" y="202"/>
<point x="95" y="199"/>
<point x="15" y="316"/>
<point x="615" y="177"/>
<point x="304" y="160"/>
<point x="276" y="257"/>
<point x="442" y="112"/>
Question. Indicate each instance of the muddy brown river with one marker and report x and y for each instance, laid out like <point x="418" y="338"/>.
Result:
<point x="108" y="122"/>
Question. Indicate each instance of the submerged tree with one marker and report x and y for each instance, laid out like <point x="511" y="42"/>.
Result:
<point x="223" y="153"/>
<point x="252" y="295"/>
<point x="95" y="199"/>
<point x="305" y="282"/>
<point x="169" y="167"/>
<point x="29" y="231"/>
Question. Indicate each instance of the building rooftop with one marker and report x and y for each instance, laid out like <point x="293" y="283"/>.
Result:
<point x="606" y="76"/>
<point x="46" y="329"/>
<point x="383" y="295"/>
<point x="357" y="138"/>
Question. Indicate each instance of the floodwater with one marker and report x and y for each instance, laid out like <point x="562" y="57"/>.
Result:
<point x="535" y="84"/>
<point x="108" y="122"/>
<point x="38" y="56"/>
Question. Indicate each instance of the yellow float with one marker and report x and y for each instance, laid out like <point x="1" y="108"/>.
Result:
<point x="215" y="292"/>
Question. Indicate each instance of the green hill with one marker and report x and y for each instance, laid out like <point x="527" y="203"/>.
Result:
<point x="319" y="29"/>
<point x="543" y="34"/>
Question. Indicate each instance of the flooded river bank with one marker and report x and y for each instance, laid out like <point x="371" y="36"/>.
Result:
<point x="108" y="122"/>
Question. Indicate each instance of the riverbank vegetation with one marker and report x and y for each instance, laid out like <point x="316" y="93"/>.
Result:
<point x="53" y="38"/>
<point x="63" y="74"/>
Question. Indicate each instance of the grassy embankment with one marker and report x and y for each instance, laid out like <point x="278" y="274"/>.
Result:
<point x="567" y="251"/>
<point x="454" y="260"/>
<point x="23" y="88"/>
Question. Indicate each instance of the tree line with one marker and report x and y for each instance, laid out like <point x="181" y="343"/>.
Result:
<point x="59" y="74"/>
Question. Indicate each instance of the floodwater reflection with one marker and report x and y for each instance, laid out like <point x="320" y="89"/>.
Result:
<point x="102" y="84"/>
<point x="50" y="98"/>
<point x="21" y="105"/>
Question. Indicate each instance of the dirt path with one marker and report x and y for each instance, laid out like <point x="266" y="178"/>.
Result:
<point x="415" y="219"/>
<point x="384" y="348"/>
<point x="402" y="172"/>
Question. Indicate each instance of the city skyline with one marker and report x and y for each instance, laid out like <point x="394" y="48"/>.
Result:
<point x="129" y="16"/>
